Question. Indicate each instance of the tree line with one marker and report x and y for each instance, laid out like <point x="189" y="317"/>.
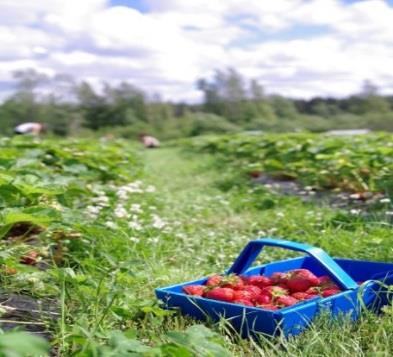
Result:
<point x="230" y="103"/>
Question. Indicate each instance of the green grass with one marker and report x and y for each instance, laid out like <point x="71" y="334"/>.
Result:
<point x="204" y="215"/>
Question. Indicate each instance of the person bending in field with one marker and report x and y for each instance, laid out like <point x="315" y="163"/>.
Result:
<point x="149" y="141"/>
<point x="29" y="128"/>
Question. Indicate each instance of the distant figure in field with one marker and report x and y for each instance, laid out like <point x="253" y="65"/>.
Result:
<point x="149" y="141"/>
<point x="29" y="128"/>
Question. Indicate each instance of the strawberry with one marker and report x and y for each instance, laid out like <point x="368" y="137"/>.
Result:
<point x="214" y="280"/>
<point x="274" y="291"/>
<point x="304" y="295"/>
<point x="243" y="295"/>
<point x="314" y="290"/>
<point x="259" y="280"/>
<point x="263" y="299"/>
<point x="255" y="174"/>
<point x="224" y="294"/>
<point x="278" y="278"/>
<point x="286" y="300"/>
<point x="243" y="302"/>
<point x="30" y="258"/>
<point x="301" y="280"/>
<point x="197" y="290"/>
<point x="312" y="296"/>
<point x="254" y="290"/>
<point x="233" y="282"/>
<point x="324" y="279"/>
<point x="268" y="307"/>
<point x="300" y="295"/>
<point x="330" y="291"/>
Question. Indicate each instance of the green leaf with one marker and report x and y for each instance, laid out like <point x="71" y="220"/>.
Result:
<point x="22" y="344"/>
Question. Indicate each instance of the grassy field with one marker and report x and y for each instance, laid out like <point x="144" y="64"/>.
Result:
<point x="169" y="215"/>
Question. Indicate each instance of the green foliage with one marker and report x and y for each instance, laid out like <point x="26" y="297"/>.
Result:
<point x="362" y="163"/>
<point x="22" y="344"/>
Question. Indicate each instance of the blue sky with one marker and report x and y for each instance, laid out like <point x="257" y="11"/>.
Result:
<point x="299" y="48"/>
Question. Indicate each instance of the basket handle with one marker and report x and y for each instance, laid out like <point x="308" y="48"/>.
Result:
<point x="253" y="248"/>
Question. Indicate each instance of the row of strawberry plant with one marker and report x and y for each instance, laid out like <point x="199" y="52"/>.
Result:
<point x="354" y="164"/>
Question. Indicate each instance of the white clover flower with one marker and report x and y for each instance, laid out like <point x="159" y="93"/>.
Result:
<point x="120" y="212"/>
<point x="136" y="208"/>
<point x="135" y="225"/>
<point x="158" y="223"/>
<point x="111" y="225"/>
<point x="102" y="201"/>
<point x="122" y="194"/>
<point x="384" y="200"/>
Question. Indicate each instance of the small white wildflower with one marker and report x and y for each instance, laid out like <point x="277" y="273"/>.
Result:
<point x="134" y="239"/>
<point x="355" y="211"/>
<point x="280" y="214"/>
<point x="150" y="189"/>
<point x="261" y="233"/>
<point x="135" y="225"/>
<point x="384" y="200"/>
<point x="102" y="201"/>
<point x="120" y="212"/>
<point x="355" y="196"/>
<point x="158" y="223"/>
<point x="135" y="207"/>
<point x="111" y="225"/>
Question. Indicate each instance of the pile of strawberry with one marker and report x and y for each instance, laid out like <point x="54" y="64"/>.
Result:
<point x="272" y="293"/>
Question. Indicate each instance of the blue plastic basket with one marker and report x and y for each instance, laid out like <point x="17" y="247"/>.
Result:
<point x="294" y="319"/>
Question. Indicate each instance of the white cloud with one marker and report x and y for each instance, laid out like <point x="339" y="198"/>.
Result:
<point x="167" y="49"/>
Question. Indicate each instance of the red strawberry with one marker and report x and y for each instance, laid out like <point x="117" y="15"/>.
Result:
<point x="255" y="174"/>
<point x="263" y="299"/>
<point x="301" y="280"/>
<point x="224" y="294"/>
<point x="243" y="295"/>
<point x="254" y="290"/>
<point x="274" y="291"/>
<point x="214" y="280"/>
<point x="197" y="290"/>
<point x="30" y="258"/>
<point x="278" y="278"/>
<point x="286" y="300"/>
<point x="233" y="282"/>
<point x="268" y="307"/>
<point x="314" y="290"/>
<point x="324" y="279"/>
<point x="330" y="292"/>
<point x="312" y="296"/>
<point x="243" y="302"/>
<point x="300" y="295"/>
<point x="259" y="280"/>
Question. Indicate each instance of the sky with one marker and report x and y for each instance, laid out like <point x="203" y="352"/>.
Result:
<point x="297" y="48"/>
